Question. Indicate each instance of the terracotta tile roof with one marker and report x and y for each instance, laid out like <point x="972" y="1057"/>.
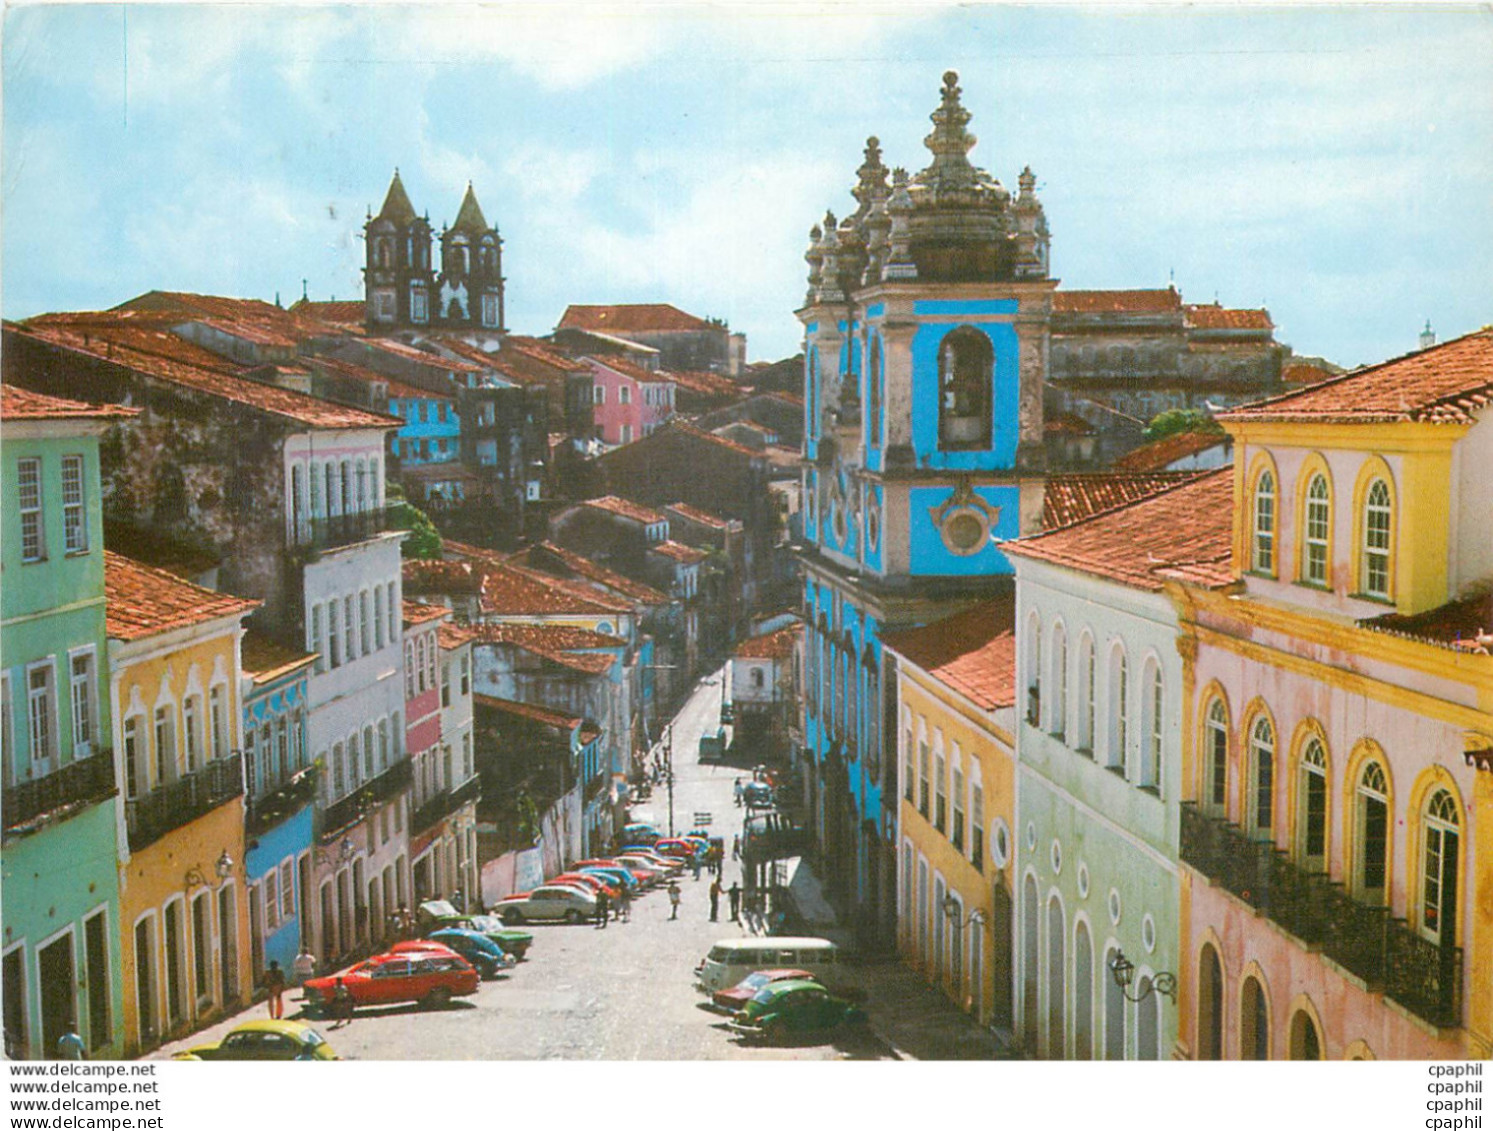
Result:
<point x="686" y="555"/>
<point x="453" y="636"/>
<point x="706" y="383"/>
<point x="465" y="350"/>
<point x="1465" y="625"/>
<point x="17" y="403"/>
<point x="1447" y="383"/>
<point x="691" y="430"/>
<point x="1304" y="374"/>
<point x="704" y="518"/>
<point x="415" y="612"/>
<point x="536" y="350"/>
<point x="628" y="369"/>
<point x="511" y="591"/>
<point x="1183" y="533"/>
<point x="371" y="376"/>
<point x="158" y="360"/>
<point x="261" y="333"/>
<point x="1211" y="316"/>
<point x="778" y="645"/>
<point x="424" y="357"/>
<point x="264" y="658"/>
<point x="296" y="325"/>
<point x="591" y="572"/>
<point x="143" y="601"/>
<point x="184" y="558"/>
<point x="462" y="550"/>
<point x="351" y="313"/>
<point x="1115" y="302"/>
<point x="1156" y="455"/>
<point x="574" y="648"/>
<point x="974" y="652"/>
<point x="441" y="577"/>
<point x="1071" y="498"/>
<point x="641" y="317"/>
<point x="1067" y="424"/>
<point x="626" y="508"/>
<point x="527" y="711"/>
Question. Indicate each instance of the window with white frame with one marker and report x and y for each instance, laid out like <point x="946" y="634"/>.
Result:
<point x="315" y="644"/>
<point x="940" y="791"/>
<point x="1441" y="836"/>
<point x="334" y="643"/>
<point x="378" y="617"/>
<point x="74" y="514"/>
<point x="271" y="889"/>
<point x="1263" y="553"/>
<point x="1376" y="526"/>
<point x="1311" y="835"/>
<point x="191" y="720"/>
<point x="1086" y="694"/>
<point x="430" y="661"/>
<point x="956" y="834"/>
<point x="349" y="627"/>
<point x="1057" y="715"/>
<point x="977" y="825"/>
<point x="1033" y="671"/>
<point x="217" y="706"/>
<point x="1119" y="711"/>
<point x="923" y="779"/>
<point x="391" y="607"/>
<point x="81" y="693"/>
<point x="29" y="504"/>
<point x="1216" y="754"/>
<point x="599" y="394"/>
<point x="363" y="625"/>
<point x="466" y="674"/>
<point x="287" y="890"/>
<point x="1318" y="526"/>
<point x="624" y="394"/>
<point x="411" y="671"/>
<point x="134" y="759"/>
<point x="165" y="745"/>
<point x="41" y="713"/>
<point x="1261" y="805"/>
<point x="1155" y="727"/>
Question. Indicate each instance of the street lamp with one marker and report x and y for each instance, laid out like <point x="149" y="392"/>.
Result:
<point x="1123" y="972"/>
<point x="950" y="908"/>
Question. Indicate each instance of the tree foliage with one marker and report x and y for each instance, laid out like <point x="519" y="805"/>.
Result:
<point x="424" y="540"/>
<point x="1176" y="420"/>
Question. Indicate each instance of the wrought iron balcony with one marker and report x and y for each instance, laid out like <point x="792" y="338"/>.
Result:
<point x="441" y="805"/>
<point x="152" y="815"/>
<point x="327" y="533"/>
<point x="1363" y="938"/>
<point x="350" y="809"/>
<point x="268" y="810"/>
<point x="81" y="781"/>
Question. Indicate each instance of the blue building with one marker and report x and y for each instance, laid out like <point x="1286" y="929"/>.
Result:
<point x="432" y="428"/>
<point x="281" y="781"/>
<point x="925" y="356"/>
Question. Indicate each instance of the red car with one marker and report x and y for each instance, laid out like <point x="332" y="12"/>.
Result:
<point x="738" y="995"/>
<point x="591" y="883"/>
<point x="385" y="979"/>
<point x="641" y="877"/>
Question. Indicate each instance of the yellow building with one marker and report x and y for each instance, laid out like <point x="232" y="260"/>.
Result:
<point x="1337" y="866"/>
<point x="174" y="687"/>
<point x="956" y="694"/>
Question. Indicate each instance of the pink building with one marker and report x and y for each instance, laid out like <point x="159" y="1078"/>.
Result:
<point x="628" y="402"/>
<point x="422" y="713"/>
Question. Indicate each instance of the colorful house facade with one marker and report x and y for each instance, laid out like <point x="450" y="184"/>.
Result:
<point x="174" y="690"/>
<point x="956" y="724"/>
<point x="630" y="402"/>
<point x="1337" y="898"/>
<point x="60" y="892"/>
<point x="926" y="325"/>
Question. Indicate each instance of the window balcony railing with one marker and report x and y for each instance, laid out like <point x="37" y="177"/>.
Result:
<point x="152" y="815"/>
<point x="441" y="805"/>
<point x="350" y="809"/>
<point x="341" y="530"/>
<point x="268" y="810"/>
<point x="84" y="780"/>
<point x="1363" y="938"/>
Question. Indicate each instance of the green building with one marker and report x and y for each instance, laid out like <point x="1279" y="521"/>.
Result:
<point x="59" y="903"/>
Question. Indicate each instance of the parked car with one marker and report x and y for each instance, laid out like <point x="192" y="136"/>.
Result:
<point x="728" y="711"/>
<point x="591" y="882"/>
<point x="783" y="1011"/>
<point x="757" y="795"/>
<point x="386" y="979"/>
<point x="488" y="957"/>
<point x="734" y="1000"/>
<point x="640" y="833"/>
<point x="265" y="1040"/>
<point x="612" y="865"/>
<point x="440" y="914"/>
<point x="548" y="902"/>
<point x="656" y="873"/>
<point x="672" y="863"/>
<point x="618" y="876"/>
<point x="685" y="848"/>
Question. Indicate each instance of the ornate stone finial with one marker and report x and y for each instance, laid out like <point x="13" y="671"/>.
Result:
<point x="829" y="273"/>
<point x="950" y="142"/>
<point x="814" y="257"/>
<point x="871" y="177"/>
<point x="878" y="224"/>
<point x="899" y="262"/>
<point x="1027" y="182"/>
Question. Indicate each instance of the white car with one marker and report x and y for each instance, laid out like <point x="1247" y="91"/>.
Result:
<point x="550" y="902"/>
<point x="656" y="871"/>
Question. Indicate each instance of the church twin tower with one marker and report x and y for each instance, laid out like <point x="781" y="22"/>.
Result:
<point x="402" y="289"/>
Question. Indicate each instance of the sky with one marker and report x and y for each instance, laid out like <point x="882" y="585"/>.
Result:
<point x="1333" y="164"/>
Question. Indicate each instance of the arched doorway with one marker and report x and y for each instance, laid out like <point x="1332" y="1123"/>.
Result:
<point x="1306" y="1042"/>
<point x="1029" y="944"/>
<point x="1210" y="1005"/>
<point x="1056" y="998"/>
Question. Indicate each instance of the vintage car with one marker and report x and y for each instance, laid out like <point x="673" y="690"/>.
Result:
<point x="735" y="999"/>
<point x="265" y="1040"/>
<point x="388" y="979"/>
<point x="548" y="902"/>
<point x="441" y="914"/>
<point x="673" y="864"/>
<point x="487" y="956"/>
<point x="589" y="881"/>
<point x="791" y="1010"/>
<point x="611" y="865"/>
<point x="757" y="795"/>
<point x="640" y="833"/>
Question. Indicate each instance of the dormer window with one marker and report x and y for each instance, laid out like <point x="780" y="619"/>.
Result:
<point x="966" y="367"/>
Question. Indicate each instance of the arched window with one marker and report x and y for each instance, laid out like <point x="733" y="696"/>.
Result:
<point x="1210" y="1005"/>
<point x="1147" y="1022"/>
<point x="1306" y="1042"/>
<point x="1034" y="670"/>
<point x="1216" y="757"/>
<point x="1057" y="714"/>
<point x="1083" y="993"/>
<point x="1086" y="694"/>
<point x="1311" y="806"/>
<point x="873" y="391"/>
<point x="1371" y="833"/>
<point x="1374" y="571"/>
<point x="1318" y="525"/>
<point x="1153" y="716"/>
<point x="1254" y="1022"/>
<point x="966" y="367"/>
<point x="1119" y="711"/>
<point x="1442" y="839"/>
<point x="1260" y="815"/>
<point x="1056" y="1003"/>
<point x="1263" y="553"/>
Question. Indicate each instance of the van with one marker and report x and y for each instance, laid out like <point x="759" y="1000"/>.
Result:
<point x="731" y="960"/>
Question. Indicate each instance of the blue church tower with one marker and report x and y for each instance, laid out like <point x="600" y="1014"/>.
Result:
<point x="926" y="344"/>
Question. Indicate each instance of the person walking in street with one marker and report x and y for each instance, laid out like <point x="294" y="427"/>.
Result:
<point x="673" y="900"/>
<point x="737" y="789"/>
<point x="734" y="895"/>
<point x="715" y="900"/>
<point x="736" y="847"/>
<point x="694" y="863"/>
<point x="305" y="963"/>
<point x="603" y="906"/>
<point x="274" y="986"/>
<point x="624" y="905"/>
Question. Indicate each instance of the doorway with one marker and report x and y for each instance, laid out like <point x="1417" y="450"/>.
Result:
<point x="55" y="969"/>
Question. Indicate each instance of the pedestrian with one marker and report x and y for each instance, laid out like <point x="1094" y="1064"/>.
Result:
<point x="624" y="905"/>
<point x="673" y="899"/>
<point x="459" y="901"/>
<point x="603" y="905"/>
<point x="274" y="985"/>
<point x="736" y="847"/>
<point x="738" y="792"/>
<point x="694" y="863"/>
<point x="70" y="1045"/>
<point x="715" y="900"/>
<point x="342" y="1004"/>
<point x="305" y="963"/>
<point x="734" y="895"/>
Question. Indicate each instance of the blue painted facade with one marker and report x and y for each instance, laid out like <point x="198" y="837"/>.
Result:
<point x="431" y="431"/>
<point x="283" y="843"/>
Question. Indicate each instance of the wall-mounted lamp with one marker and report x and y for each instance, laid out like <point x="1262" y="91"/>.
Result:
<point x="345" y="850"/>
<point x="222" y="867"/>
<point x="950" y="908"/>
<point x="1123" y="972"/>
